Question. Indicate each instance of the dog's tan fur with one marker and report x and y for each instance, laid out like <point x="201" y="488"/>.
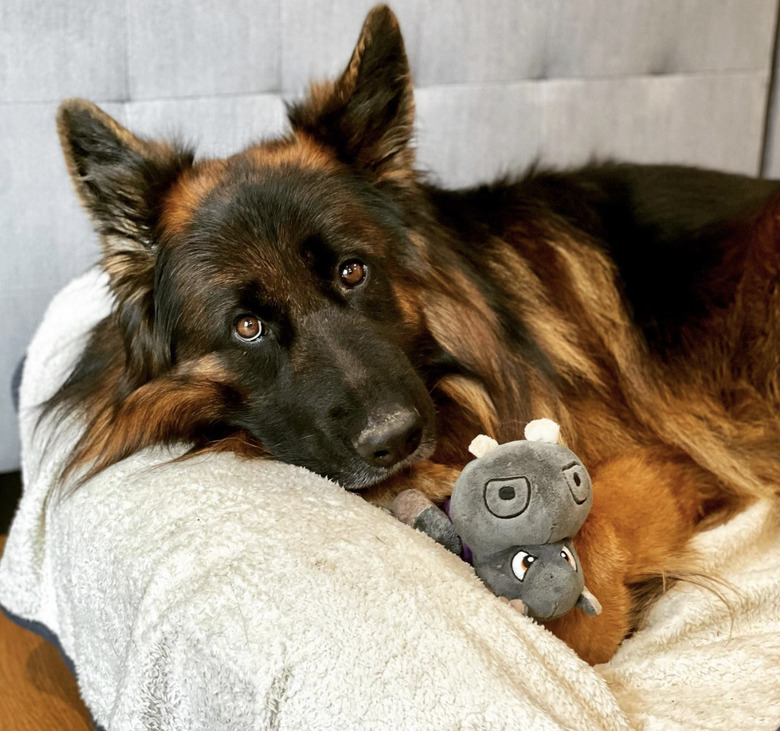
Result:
<point x="672" y="445"/>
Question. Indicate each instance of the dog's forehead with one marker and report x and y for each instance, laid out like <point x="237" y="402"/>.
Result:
<point x="275" y="192"/>
<point x="205" y="176"/>
<point x="273" y="217"/>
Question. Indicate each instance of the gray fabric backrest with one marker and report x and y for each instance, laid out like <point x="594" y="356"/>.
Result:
<point x="500" y="83"/>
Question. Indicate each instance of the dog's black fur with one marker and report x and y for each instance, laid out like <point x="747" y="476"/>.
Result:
<point x="334" y="361"/>
<point x="637" y="305"/>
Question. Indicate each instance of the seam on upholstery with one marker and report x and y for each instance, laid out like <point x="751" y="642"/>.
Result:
<point x="752" y="74"/>
<point x="279" y="47"/>
<point x="127" y="95"/>
<point x="767" y="132"/>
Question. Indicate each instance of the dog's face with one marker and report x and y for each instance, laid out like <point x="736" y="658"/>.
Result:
<point x="284" y="275"/>
<point x="277" y="274"/>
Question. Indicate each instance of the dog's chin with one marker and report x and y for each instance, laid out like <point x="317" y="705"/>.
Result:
<point x="360" y="475"/>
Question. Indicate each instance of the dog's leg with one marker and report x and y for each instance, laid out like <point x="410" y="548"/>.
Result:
<point x="646" y="505"/>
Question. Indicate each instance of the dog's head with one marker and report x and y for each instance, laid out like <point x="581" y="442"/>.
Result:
<point x="269" y="292"/>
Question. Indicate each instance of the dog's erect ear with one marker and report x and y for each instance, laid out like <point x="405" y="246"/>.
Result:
<point x="120" y="178"/>
<point x="122" y="181"/>
<point x="367" y="114"/>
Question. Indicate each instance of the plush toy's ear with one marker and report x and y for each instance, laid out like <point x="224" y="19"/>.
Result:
<point x="366" y="116"/>
<point x="588" y="603"/>
<point x="482" y="445"/>
<point x="543" y="430"/>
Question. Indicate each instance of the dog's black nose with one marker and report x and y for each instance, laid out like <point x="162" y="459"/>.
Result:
<point x="390" y="437"/>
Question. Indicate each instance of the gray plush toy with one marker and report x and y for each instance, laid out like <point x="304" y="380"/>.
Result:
<point x="514" y="511"/>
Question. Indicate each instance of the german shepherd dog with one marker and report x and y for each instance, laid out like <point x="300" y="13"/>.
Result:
<point x="315" y="300"/>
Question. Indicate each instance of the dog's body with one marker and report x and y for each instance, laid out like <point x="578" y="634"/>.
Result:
<point x="312" y="299"/>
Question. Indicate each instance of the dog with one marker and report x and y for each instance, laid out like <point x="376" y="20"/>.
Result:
<point x="315" y="300"/>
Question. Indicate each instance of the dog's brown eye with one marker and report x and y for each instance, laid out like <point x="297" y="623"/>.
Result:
<point x="248" y="327"/>
<point x="352" y="272"/>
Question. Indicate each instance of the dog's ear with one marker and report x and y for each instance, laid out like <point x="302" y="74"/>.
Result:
<point x="122" y="181"/>
<point x="367" y="114"/>
<point x="120" y="178"/>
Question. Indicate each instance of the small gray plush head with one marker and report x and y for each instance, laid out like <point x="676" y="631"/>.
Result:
<point x="547" y="578"/>
<point x="521" y="493"/>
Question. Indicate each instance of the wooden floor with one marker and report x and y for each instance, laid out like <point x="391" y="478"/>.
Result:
<point x="37" y="692"/>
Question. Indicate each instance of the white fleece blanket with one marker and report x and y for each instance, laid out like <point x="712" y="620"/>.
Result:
<point x="225" y="594"/>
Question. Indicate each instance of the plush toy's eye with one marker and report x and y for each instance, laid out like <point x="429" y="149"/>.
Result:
<point x="507" y="497"/>
<point x="521" y="563"/>
<point x="568" y="556"/>
<point x="578" y="481"/>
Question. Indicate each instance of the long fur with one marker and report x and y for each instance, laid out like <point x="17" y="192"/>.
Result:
<point x="637" y="306"/>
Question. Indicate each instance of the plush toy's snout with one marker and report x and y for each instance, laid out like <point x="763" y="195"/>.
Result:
<point x="546" y="578"/>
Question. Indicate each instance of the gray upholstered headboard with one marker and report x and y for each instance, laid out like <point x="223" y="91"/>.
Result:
<point x="500" y="83"/>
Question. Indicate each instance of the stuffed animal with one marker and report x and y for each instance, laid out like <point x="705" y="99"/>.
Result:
<point x="513" y="512"/>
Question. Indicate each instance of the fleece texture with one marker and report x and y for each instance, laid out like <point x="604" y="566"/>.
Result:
<point x="216" y="593"/>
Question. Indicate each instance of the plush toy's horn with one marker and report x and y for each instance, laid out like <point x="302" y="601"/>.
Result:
<point x="543" y="430"/>
<point x="482" y="445"/>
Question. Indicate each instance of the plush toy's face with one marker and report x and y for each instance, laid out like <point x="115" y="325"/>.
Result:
<point x="546" y="578"/>
<point x="520" y="493"/>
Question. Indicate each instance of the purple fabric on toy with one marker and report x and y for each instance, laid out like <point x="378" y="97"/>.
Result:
<point x="465" y="553"/>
